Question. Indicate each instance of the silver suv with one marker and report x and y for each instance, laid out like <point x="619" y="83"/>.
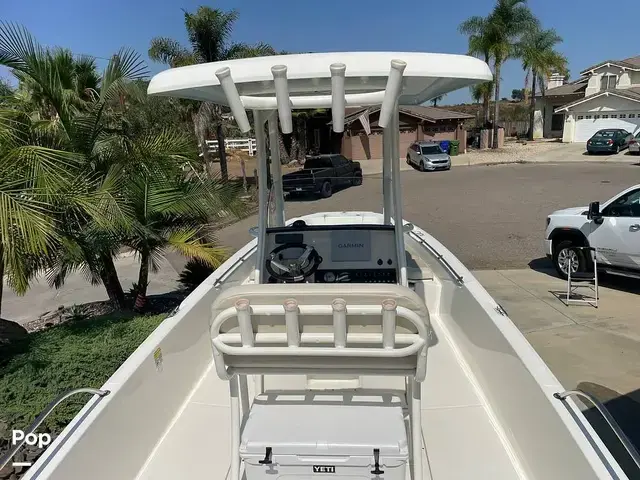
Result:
<point x="427" y="155"/>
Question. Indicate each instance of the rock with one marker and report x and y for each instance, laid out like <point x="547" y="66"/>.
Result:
<point x="6" y="472"/>
<point x="11" y="331"/>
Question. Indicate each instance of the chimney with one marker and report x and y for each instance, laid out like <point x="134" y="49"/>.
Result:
<point x="555" y="80"/>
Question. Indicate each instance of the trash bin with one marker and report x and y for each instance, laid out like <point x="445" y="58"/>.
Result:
<point x="444" y="145"/>
<point x="454" y="148"/>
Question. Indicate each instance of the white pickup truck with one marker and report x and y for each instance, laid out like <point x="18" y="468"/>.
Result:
<point x="612" y="227"/>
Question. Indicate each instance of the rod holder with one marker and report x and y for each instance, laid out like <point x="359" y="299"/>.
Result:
<point x="235" y="104"/>
<point x="243" y="311"/>
<point x="291" y="320"/>
<point x="389" y="323"/>
<point x="391" y="92"/>
<point x="279" y="73"/>
<point x="337" y="96"/>
<point x="339" y="307"/>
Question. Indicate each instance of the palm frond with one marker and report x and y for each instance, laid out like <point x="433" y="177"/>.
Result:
<point x="243" y="50"/>
<point x="188" y="243"/>
<point x="170" y="52"/>
<point x="209" y="30"/>
<point x="124" y="68"/>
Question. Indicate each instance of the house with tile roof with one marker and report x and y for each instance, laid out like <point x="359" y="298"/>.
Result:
<point x="607" y="95"/>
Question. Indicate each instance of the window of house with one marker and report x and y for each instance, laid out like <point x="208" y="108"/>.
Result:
<point x="588" y="117"/>
<point x="623" y="115"/>
<point x="596" y="116"/>
<point x="580" y="117"/>
<point x="632" y="115"/>
<point x="608" y="82"/>
<point x="605" y="116"/>
<point x="614" y="116"/>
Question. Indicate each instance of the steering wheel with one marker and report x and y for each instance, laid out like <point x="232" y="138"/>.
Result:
<point x="293" y="269"/>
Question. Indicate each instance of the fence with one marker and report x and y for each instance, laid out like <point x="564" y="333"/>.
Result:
<point x="245" y="144"/>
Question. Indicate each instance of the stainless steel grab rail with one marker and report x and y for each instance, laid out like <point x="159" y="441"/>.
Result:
<point x="45" y="413"/>
<point x="624" y="440"/>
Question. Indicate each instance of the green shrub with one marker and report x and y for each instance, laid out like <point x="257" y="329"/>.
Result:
<point x="79" y="353"/>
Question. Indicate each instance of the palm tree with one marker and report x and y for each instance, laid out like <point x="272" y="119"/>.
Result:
<point x="209" y="31"/>
<point x="509" y="20"/>
<point x="435" y="100"/>
<point x="536" y="49"/>
<point x="170" y="209"/>
<point x="87" y="216"/>
<point x="479" y="31"/>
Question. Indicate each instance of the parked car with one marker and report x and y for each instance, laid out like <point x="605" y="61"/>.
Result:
<point x="322" y="174"/>
<point x="428" y="155"/>
<point x="613" y="228"/>
<point x="609" y="140"/>
<point x="634" y="145"/>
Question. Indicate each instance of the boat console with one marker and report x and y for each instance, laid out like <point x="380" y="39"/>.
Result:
<point x="301" y="253"/>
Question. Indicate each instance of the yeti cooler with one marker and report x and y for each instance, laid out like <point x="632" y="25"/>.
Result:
<point x="318" y="435"/>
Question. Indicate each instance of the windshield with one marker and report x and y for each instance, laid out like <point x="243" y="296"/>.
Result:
<point x="317" y="163"/>
<point x="606" y="133"/>
<point x="431" y="150"/>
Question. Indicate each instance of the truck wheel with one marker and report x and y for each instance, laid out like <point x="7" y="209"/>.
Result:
<point x="357" y="179"/>
<point x="564" y="256"/>
<point x="421" y="167"/>
<point x="408" y="160"/>
<point x="326" y="191"/>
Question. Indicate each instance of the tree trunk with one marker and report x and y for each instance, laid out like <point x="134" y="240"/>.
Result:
<point x="111" y="282"/>
<point x="1" y="275"/>
<point x="302" y="140"/>
<point x="532" y="106"/>
<point x="485" y="108"/>
<point x="525" y="94"/>
<point x="143" y="282"/>
<point x="496" y="106"/>
<point x="222" y="152"/>
<point x="284" y="156"/>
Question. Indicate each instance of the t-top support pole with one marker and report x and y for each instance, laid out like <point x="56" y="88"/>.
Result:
<point x="276" y="168"/>
<point x="259" y="118"/>
<point x="387" y="140"/>
<point x="397" y="197"/>
<point x="389" y="120"/>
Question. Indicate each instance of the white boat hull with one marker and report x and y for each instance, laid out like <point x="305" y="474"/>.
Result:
<point x="488" y="410"/>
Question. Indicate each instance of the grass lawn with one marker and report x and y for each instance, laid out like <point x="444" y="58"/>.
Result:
<point x="78" y="353"/>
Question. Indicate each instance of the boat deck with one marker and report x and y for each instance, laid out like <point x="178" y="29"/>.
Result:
<point x="460" y="440"/>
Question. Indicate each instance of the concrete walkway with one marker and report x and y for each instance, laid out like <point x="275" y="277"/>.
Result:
<point x="580" y="343"/>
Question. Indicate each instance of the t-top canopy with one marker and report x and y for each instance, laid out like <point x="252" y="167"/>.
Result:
<point x="426" y="76"/>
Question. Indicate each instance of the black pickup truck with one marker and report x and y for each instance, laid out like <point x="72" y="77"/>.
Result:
<point x="322" y="174"/>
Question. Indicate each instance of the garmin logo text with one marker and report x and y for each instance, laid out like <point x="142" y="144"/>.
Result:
<point x="351" y="245"/>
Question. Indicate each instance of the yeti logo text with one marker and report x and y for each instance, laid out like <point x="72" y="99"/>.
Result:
<point x="39" y="439"/>
<point x="351" y="245"/>
<point x="324" y="469"/>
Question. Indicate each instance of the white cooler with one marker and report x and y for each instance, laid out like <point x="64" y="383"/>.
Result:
<point x="338" y="436"/>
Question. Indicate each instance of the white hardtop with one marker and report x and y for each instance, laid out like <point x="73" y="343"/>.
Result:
<point x="426" y="76"/>
<point x="315" y="423"/>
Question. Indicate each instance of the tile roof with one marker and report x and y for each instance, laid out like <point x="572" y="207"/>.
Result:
<point x="631" y="62"/>
<point x="566" y="89"/>
<point x="431" y="114"/>
<point x="630" y="93"/>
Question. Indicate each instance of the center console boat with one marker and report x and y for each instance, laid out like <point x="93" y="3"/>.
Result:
<point x="345" y="345"/>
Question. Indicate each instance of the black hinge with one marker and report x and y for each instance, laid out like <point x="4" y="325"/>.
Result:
<point x="376" y="459"/>
<point x="267" y="457"/>
<point x="501" y="310"/>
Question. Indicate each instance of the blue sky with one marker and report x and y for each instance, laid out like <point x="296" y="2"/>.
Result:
<point x="101" y="28"/>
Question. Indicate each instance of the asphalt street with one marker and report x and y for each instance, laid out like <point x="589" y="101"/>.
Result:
<point x="490" y="217"/>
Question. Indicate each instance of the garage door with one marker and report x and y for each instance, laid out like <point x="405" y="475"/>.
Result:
<point x="589" y="123"/>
